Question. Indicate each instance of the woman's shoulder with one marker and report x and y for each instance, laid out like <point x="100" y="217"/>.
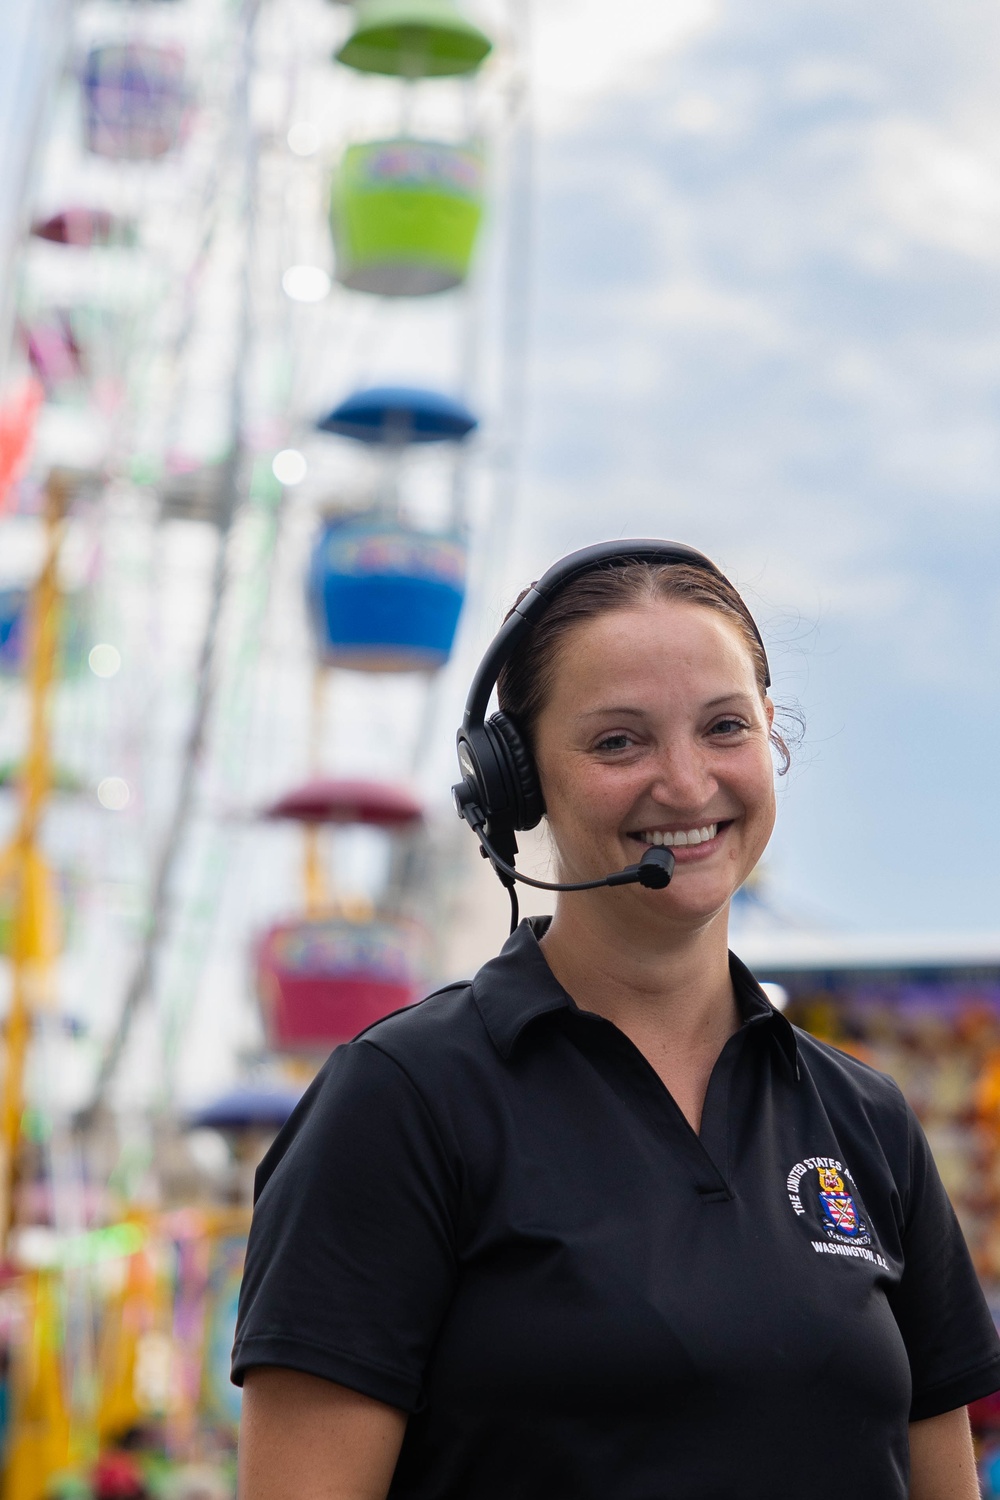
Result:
<point x="427" y="1039"/>
<point x="443" y="1010"/>
<point x="393" y="1077"/>
<point x="846" y="1080"/>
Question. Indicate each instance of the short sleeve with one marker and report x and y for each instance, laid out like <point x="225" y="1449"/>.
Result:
<point x="351" y="1260"/>
<point x="939" y="1305"/>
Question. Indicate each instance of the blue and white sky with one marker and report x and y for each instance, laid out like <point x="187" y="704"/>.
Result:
<point x="766" y="321"/>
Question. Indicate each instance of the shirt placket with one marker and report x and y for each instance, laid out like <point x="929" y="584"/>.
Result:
<point x="706" y="1155"/>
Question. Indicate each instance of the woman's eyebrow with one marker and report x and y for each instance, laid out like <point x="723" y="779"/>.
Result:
<point x="612" y="708"/>
<point x="736" y="696"/>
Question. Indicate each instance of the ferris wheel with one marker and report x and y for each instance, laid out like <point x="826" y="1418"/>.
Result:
<point x="254" y="342"/>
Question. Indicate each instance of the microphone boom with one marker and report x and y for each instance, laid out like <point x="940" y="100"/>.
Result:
<point x="654" y="870"/>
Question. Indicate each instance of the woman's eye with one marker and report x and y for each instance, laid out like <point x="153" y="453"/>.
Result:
<point x="729" y="726"/>
<point x="614" y="742"/>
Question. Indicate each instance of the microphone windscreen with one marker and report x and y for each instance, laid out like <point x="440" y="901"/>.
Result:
<point x="656" y="868"/>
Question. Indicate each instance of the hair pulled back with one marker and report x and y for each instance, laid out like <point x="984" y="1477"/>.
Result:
<point x="525" y="679"/>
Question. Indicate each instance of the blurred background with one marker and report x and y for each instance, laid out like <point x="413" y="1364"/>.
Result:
<point x="325" y="328"/>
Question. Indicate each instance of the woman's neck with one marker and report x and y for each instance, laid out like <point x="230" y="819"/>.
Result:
<point x="668" y="990"/>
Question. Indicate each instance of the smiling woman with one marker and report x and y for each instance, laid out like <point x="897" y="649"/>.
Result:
<point x="602" y="1223"/>
<point x="653" y="730"/>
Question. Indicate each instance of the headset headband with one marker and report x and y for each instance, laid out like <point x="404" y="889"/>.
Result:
<point x="540" y="595"/>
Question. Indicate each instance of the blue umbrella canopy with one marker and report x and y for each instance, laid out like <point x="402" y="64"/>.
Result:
<point x="246" y="1109"/>
<point x="400" y="414"/>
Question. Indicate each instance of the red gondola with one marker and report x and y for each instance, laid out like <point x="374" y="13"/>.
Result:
<point x="327" y="801"/>
<point x="323" y="981"/>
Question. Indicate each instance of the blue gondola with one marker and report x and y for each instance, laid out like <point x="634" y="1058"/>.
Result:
<point x="384" y="597"/>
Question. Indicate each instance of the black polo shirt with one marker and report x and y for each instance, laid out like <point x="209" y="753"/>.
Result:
<point x="489" y="1212"/>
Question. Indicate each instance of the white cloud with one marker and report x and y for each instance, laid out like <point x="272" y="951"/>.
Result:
<point x="936" y="188"/>
<point x="693" y="301"/>
<point x="584" y="50"/>
<point x="820" y="79"/>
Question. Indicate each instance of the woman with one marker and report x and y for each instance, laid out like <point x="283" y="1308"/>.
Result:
<point x="601" y="1223"/>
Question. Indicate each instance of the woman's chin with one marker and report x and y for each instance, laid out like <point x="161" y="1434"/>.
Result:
<point x="689" y="902"/>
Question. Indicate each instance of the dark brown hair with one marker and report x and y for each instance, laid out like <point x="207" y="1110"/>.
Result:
<point x="526" y="678"/>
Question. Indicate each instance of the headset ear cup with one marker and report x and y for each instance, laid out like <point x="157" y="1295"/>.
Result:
<point x="530" y="804"/>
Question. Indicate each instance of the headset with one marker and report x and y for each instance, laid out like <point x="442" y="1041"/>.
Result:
<point x="500" y="793"/>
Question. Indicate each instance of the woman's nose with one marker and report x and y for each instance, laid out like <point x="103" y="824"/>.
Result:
<point x="684" y="781"/>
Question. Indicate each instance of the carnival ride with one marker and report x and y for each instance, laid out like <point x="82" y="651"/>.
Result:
<point x="197" y="562"/>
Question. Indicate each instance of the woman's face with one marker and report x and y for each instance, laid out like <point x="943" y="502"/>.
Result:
<point x="655" y="732"/>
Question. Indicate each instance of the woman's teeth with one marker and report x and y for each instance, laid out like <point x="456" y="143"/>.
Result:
<point x="682" y="839"/>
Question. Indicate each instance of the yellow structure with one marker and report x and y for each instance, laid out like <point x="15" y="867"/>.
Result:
<point x="39" y="1428"/>
<point x="39" y="1443"/>
<point x="129" y="1316"/>
<point x="22" y="866"/>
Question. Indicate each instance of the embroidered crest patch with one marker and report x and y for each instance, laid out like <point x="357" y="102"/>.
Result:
<point x="839" y="1214"/>
<point x="822" y="1192"/>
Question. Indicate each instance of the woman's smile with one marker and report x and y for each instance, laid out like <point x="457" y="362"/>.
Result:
<point x="678" y="838"/>
<point x="687" y="843"/>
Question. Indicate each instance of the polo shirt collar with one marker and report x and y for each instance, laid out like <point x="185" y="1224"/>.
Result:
<point x="517" y="987"/>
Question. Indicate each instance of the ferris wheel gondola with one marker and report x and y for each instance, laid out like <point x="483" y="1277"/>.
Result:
<point x="83" y="226"/>
<point x="414" y="39"/>
<point x="324" y="977"/>
<point x="135" y="100"/>
<point x="384" y="595"/>
<point x="405" y="215"/>
<point x="322" y="981"/>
